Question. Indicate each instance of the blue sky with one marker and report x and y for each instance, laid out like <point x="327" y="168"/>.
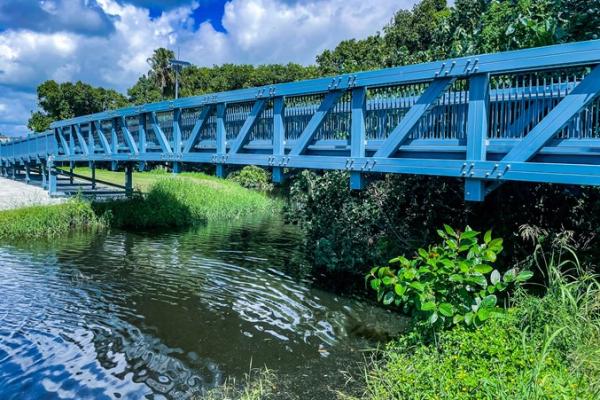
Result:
<point x="107" y="42"/>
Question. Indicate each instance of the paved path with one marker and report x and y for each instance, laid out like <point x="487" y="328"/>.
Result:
<point x="15" y="194"/>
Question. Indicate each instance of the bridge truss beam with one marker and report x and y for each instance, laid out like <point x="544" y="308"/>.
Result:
<point x="529" y="115"/>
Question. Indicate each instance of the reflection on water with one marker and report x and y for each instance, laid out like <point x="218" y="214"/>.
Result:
<point x="166" y="315"/>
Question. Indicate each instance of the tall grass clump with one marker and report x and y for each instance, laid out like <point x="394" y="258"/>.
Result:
<point x="49" y="220"/>
<point x="543" y="347"/>
<point x="183" y="201"/>
<point x="258" y="384"/>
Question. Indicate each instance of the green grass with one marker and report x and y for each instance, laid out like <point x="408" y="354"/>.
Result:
<point x="49" y="221"/>
<point x="185" y="200"/>
<point x="163" y="201"/>
<point x="542" y="348"/>
<point x="256" y="385"/>
<point x="143" y="181"/>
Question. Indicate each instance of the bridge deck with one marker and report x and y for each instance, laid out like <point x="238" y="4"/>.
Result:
<point x="529" y="115"/>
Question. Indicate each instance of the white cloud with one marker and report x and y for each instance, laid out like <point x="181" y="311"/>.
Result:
<point x="258" y="31"/>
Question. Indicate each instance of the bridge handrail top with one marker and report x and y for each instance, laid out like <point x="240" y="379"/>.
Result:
<point x="538" y="58"/>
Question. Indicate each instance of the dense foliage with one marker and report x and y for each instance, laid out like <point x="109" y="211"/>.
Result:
<point x="67" y="100"/>
<point x="252" y="177"/>
<point x="447" y="284"/>
<point x="542" y="348"/>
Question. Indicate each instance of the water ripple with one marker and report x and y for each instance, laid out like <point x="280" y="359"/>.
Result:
<point x="134" y="316"/>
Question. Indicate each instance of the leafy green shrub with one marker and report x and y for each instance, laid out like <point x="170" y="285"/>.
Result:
<point x="252" y="177"/>
<point x="449" y="283"/>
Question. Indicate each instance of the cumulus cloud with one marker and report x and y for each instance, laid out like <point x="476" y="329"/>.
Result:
<point x="257" y="32"/>
<point x="81" y="16"/>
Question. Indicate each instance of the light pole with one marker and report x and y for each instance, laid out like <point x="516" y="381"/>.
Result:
<point x="177" y="66"/>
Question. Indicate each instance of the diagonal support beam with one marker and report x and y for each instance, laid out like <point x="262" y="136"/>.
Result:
<point x="103" y="141"/>
<point x="63" y="141"/>
<point x="128" y="136"/>
<point x="249" y="123"/>
<point x="82" y="142"/>
<point x="315" y="122"/>
<point x="160" y="135"/>
<point x="556" y="119"/>
<point x="412" y="117"/>
<point x="197" y="129"/>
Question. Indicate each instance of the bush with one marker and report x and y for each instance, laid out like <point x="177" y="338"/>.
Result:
<point x="449" y="283"/>
<point x="253" y="177"/>
<point x="347" y="231"/>
<point x="49" y="221"/>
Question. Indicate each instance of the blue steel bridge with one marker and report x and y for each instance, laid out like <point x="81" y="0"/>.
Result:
<point x="529" y="115"/>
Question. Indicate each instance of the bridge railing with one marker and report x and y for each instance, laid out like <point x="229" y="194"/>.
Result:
<point x="527" y="115"/>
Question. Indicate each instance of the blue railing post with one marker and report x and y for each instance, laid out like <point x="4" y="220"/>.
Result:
<point x="278" y="136"/>
<point x="358" y="133"/>
<point x="477" y="130"/>
<point x="221" y="140"/>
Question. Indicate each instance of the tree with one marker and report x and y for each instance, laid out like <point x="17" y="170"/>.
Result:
<point x="161" y="72"/>
<point x="68" y="100"/>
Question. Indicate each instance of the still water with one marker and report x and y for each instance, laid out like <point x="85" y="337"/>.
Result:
<point x="171" y="315"/>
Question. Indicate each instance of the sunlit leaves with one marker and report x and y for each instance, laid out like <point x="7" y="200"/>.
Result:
<point x="449" y="283"/>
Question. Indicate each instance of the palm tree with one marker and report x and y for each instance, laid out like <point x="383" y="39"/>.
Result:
<point x="160" y="70"/>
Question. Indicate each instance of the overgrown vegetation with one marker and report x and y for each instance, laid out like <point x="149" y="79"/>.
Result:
<point x="163" y="201"/>
<point x="186" y="201"/>
<point x="49" y="221"/>
<point x="542" y="348"/>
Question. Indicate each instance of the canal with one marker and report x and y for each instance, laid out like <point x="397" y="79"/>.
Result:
<point x="174" y="314"/>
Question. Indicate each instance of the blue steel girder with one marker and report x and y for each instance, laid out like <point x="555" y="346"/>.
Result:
<point x="525" y="115"/>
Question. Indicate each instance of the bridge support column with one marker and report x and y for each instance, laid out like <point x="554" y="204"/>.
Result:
<point x="27" y="173"/>
<point x="141" y="166"/>
<point x="278" y="175"/>
<point x="43" y="172"/>
<point x="14" y="171"/>
<point x="93" y="170"/>
<point x="220" y="172"/>
<point x="177" y="167"/>
<point x="114" y="165"/>
<point x="52" y="181"/>
<point x="71" y="167"/>
<point x="128" y="179"/>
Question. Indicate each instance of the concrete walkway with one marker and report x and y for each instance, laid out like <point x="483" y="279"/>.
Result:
<point x="15" y="194"/>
